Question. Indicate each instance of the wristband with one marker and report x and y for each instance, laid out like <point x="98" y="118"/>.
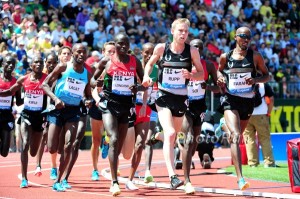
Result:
<point x="268" y="114"/>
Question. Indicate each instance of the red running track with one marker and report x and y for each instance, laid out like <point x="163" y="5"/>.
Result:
<point x="208" y="183"/>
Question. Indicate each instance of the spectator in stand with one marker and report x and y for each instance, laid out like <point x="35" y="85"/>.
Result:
<point x="248" y="11"/>
<point x="53" y="24"/>
<point x="93" y="59"/>
<point x="21" y="51"/>
<point x="44" y="30"/>
<point x="69" y="14"/>
<point x="57" y="34"/>
<point x="81" y="18"/>
<point x="266" y="8"/>
<point x="99" y="37"/>
<point x="6" y="12"/>
<point x="71" y="32"/>
<point x="235" y="8"/>
<point x="16" y="15"/>
<point x="90" y="27"/>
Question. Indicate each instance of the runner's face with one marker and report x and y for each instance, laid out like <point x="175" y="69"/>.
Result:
<point x="50" y="63"/>
<point x="198" y="46"/>
<point x="147" y="52"/>
<point x="80" y="54"/>
<point x="109" y="50"/>
<point x="65" y="55"/>
<point x="243" y="38"/>
<point x="9" y="65"/>
<point x="122" y="45"/>
<point x="180" y="33"/>
<point x="37" y="65"/>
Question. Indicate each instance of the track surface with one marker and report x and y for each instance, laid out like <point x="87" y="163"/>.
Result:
<point x="208" y="183"/>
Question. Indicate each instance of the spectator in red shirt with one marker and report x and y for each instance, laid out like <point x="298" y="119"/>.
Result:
<point x="91" y="60"/>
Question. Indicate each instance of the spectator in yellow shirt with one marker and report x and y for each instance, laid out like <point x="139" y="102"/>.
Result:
<point x="266" y="8"/>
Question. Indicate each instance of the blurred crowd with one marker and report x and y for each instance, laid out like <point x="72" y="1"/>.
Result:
<point x="31" y="27"/>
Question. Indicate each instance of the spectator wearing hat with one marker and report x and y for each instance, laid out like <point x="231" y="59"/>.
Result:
<point x="45" y="44"/>
<point x="112" y="25"/>
<point x="31" y="31"/>
<point x="69" y="14"/>
<point x="81" y="18"/>
<point x="16" y="15"/>
<point x="21" y="50"/>
<point x="182" y="11"/>
<point x="6" y="12"/>
<point x="53" y="24"/>
<point x="44" y="19"/>
<point x="44" y="30"/>
<point x="71" y="31"/>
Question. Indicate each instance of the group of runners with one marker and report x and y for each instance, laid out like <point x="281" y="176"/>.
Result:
<point x="122" y="95"/>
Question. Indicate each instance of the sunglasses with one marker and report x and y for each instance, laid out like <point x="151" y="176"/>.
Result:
<point x="244" y="36"/>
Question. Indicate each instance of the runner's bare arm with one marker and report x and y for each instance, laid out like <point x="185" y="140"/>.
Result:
<point x="51" y="78"/>
<point x="16" y="87"/>
<point x="220" y="77"/>
<point x="261" y="66"/>
<point x="100" y="66"/>
<point x="157" y="53"/>
<point x="199" y="75"/>
<point x="88" y="93"/>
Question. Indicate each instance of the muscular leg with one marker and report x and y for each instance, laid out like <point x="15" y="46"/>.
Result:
<point x="171" y="125"/>
<point x="148" y="146"/>
<point x="97" y="130"/>
<point x="128" y="146"/>
<point x="42" y="147"/>
<point x="117" y="133"/>
<point x="5" y="137"/>
<point x="69" y="138"/>
<point x="141" y="130"/>
<point x="75" y="147"/>
<point x="235" y="127"/>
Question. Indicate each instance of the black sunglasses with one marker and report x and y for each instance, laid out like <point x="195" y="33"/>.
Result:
<point x="244" y="36"/>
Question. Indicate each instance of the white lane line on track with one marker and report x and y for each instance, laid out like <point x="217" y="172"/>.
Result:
<point x="73" y="190"/>
<point x="5" y="198"/>
<point x="106" y="174"/>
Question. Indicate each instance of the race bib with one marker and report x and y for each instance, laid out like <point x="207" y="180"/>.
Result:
<point x="33" y="102"/>
<point x="75" y="87"/>
<point x="121" y="84"/>
<point x="195" y="91"/>
<point x="5" y="103"/>
<point x="172" y="78"/>
<point x="237" y="83"/>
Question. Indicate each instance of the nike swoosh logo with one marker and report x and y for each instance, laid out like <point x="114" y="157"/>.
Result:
<point x="183" y="59"/>
<point x="127" y="78"/>
<point x="244" y="65"/>
<point x="176" y="72"/>
<point x="180" y="112"/>
<point x="197" y="84"/>
<point x="242" y="76"/>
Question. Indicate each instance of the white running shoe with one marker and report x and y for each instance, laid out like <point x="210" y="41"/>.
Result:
<point x="130" y="186"/>
<point x="38" y="171"/>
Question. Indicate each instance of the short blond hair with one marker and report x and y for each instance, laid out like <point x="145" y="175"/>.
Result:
<point x="179" y="21"/>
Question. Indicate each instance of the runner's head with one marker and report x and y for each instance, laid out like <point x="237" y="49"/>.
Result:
<point x="109" y="49"/>
<point x="9" y="64"/>
<point x="64" y="54"/>
<point x="122" y="43"/>
<point x="37" y="64"/>
<point x="147" y="51"/>
<point x="180" y="30"/>
<point x="243" y="37"/>
<point x="197" y="43"/>
<point x="79" y="52"/>
<point x="51" y="62"/>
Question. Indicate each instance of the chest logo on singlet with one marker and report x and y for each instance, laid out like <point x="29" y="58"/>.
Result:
<point x="244" y="65"/>
<point x="230" y="64"/>
<point x="168" y="57"/>
<point x="183" y="59"/>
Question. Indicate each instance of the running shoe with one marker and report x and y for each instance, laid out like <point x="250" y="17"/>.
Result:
<point x="38" y="171"/>
<point x="189" y="189"/>
<point x="206" y="163"/>
<point x="24" y="184"/>
<point x="243" y="184"/>
<point x="115" y="189"/>
<point x="65" y="184"/>
<point x="104" y="148"/>
<point x="130" y="186"/>
<point x="95" y="175"/>
<point x="175" y="182"/>
<point x="58" y="187"/>
<point x="148" y="177"/>
<point x="53" y="174"/>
